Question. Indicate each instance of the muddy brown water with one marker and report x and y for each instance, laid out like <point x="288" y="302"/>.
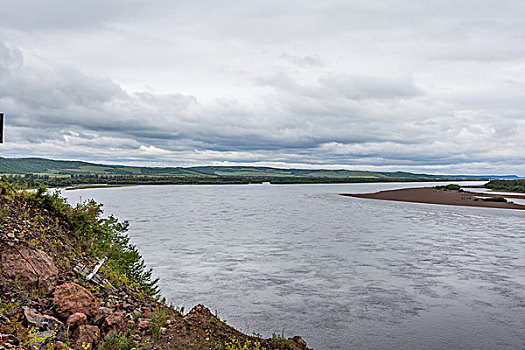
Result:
<point x="342" y="272"/>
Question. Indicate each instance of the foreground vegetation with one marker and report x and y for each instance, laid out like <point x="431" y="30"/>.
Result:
<point x="507" y="185"/>
<point x="118" y="309"/>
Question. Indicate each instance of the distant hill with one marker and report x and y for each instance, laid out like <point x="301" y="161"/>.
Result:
<point x="48" y="168"/>
<point x="481" y="177"/>
<point x="42" y="166"/>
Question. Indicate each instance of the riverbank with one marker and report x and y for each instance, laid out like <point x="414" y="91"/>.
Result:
<point x="431" y="195"/>
<point x="71" y="279"/>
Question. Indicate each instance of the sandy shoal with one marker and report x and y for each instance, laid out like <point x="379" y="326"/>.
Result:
<point x="433" y="196"/>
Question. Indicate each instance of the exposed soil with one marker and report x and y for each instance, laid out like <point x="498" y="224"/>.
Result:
<point x="434" y="196"/>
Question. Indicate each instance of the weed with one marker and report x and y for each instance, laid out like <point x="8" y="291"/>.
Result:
<point x="279" y="341"/>
<point x="36" y="339"/>
<point x="159" y="318"/>
<point x="236" y="345"/>
<point x="117" y="341"/>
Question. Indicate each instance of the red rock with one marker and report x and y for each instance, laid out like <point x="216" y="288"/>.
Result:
<point x="102" y="313"/>
<point x="86" y="335"/>
<point x="32" y="267"/>
<point x="115" y="323"/>
<point x="77" y="319"/>
<point x="71" y="298"/>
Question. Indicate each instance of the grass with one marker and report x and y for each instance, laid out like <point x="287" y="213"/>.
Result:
<point x="117" y="341"/>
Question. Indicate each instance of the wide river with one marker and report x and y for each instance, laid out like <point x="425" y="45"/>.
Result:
<point x="342" y="272"/>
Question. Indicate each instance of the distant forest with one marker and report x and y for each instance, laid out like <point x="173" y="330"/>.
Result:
<point x="35" y="172"/>
<point x="507" y="185"/>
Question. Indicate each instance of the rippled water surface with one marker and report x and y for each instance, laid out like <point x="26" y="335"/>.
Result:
<point x="342" y="272"/>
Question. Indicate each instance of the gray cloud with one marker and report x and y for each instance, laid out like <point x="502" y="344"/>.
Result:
<point x="433" y="87"/>
<point x="303" y="61"/>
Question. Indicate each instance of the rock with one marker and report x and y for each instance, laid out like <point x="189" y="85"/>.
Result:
<point x="42" y="322"/>
<point x="86" y="335"/>
<point x="144" y="323"/>
<point x="71" y="298"/>
<point x="115" y="323"/>
<point x="9" y="340"/>
<point x="299" y="341"/>
<point x="102" y="313"/>
<point x="146" y="312"/>
<point x="75" y="320"/>
<point x="200" y="310"/>
<point x="31" y="266"/>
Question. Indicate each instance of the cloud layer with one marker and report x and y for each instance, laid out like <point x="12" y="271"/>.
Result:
<point x="435" y="87"/>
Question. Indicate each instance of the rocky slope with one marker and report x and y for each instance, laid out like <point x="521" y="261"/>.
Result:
<point x="51" y="300"/>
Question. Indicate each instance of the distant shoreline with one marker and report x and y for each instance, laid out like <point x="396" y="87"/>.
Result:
<point x="88" y="187"/>
<point x="431" y="195"/>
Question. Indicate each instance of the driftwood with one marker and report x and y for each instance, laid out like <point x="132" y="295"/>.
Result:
<point x="95" y="270"/>
<point x="93" y="276"/>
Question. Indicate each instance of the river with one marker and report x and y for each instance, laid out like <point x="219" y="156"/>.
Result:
<point x="342" y="272"/>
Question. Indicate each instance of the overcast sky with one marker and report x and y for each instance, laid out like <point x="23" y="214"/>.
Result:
<point x="424" y="86"/>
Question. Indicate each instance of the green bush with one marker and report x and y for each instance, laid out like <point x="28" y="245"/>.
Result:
<point x="451" y="187"/>
<point x="102" y="237"/>
<point x="495" y="199"/>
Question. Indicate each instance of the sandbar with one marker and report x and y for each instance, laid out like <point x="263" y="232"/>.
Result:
<point x="431" y="195"/>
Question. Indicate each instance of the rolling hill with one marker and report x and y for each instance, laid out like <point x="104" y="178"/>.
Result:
<point x="42" y="166"/>
<point x="34" y="172"/>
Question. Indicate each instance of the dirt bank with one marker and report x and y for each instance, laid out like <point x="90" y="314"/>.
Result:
<point x="434" y="196"/>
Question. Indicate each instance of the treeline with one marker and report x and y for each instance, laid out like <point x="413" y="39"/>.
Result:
<point x="33" y="180"/>
<point x="507" y="185"/>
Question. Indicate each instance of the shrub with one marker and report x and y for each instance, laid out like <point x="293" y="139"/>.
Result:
<point x="495" y="199"/>
<point x="102" y="237"/>
<point x="451" y="187"/>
